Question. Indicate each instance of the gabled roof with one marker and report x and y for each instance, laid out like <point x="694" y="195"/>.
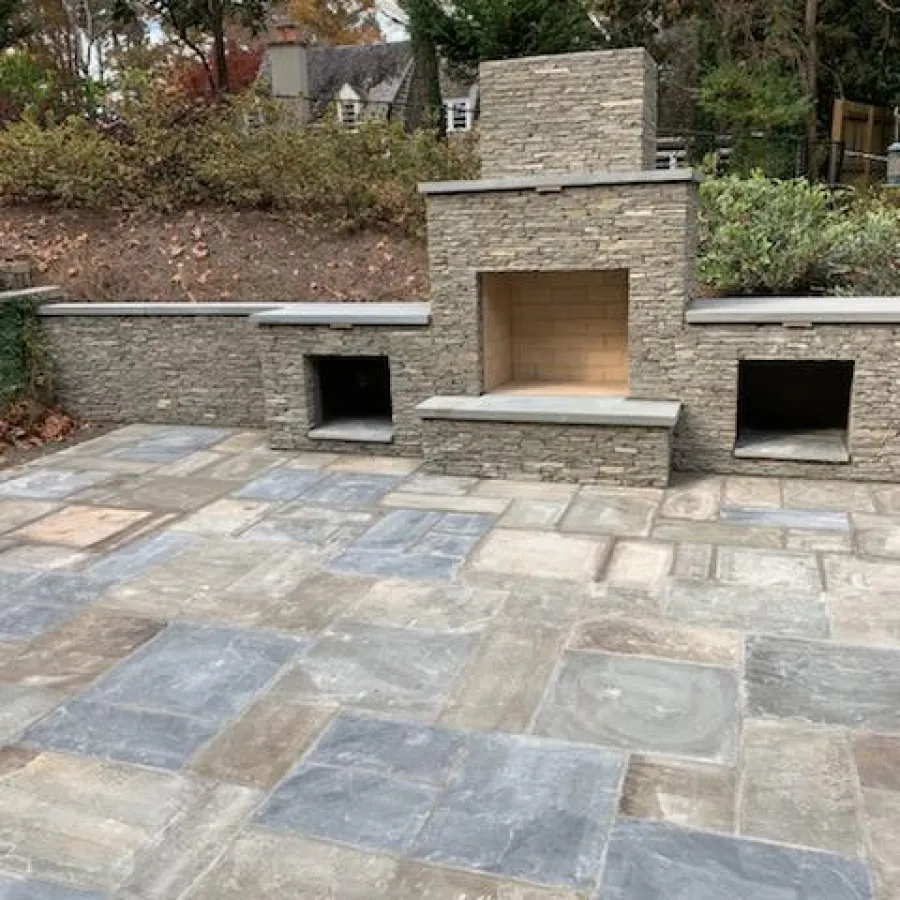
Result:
<point x="375" y="71"/>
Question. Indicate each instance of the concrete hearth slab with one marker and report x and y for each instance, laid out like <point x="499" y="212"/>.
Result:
<point x="313" y="676"/>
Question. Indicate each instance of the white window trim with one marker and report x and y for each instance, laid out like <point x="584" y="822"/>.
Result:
<point x="349" y="106"/>
<point x="459" y="105"/>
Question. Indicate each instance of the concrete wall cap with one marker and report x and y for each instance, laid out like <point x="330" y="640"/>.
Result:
<point x="560" y="410"/>
<point x="347" y="314"/>
<point x="38" y="294"/>
<point x="795" y="311"/>
<point x="155" y="309"/>
<point x="562" y="181"/>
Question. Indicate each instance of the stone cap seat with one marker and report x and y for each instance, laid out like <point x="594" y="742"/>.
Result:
<point x="343" y="314"/>
<point x="794" y="311"/>
<point x="558" y="410"/>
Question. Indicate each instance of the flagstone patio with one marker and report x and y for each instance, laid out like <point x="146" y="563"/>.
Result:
<point x="228" y="672"/>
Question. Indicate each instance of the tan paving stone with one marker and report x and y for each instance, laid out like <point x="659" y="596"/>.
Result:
<point x="850" y="575"/>
<point x="723" y="533"/>
<point x="759" y="568"/>
<point x="502" y="687"/>
<point x="190" y="464"/>
<point x="415" y="881"/>
<point x="752" y="493"/>
<point x="166" y="869"/>
<point x="375" y="465"/>
<point x="843" y="496"/>
<point x="444" y="503"/>
<point x="82" y="822"/>
<point x="693" y="561"/>
<point x="243" y="441"/>
<point x="665" y="640"/>
<point x="223" y="518"/>
<point x="818" y="541"/>
<point x="81" y="649"/>
<point x="540" y="514"/>
<point x="883" y="817"/>
<point x="697" y="500"/>
<point x="798" y="786"/>
<point x="684" y="794"/>
<point x="15" y="513"/>
<point x="866" y="617"/>
<point x="542" y="554"/>
<point x="426" y="605"/>
<point x="525" y="490"/>
<point x="639" y="564"/>
<point x="261" y="747"/>
<point x="264" y="864"/>
<point x="82" y="526"/>
<point x="877" y="535"/>
<point x="878" y="761"/>
<point x="243" y="467"/>
<point x="606" y="600"/>
<point x="173" y="493"/>
<point x="614" y="511"/>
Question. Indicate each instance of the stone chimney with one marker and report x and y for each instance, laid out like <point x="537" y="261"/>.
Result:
<point x="289" y="67"/>
<point x="577" y="112"/>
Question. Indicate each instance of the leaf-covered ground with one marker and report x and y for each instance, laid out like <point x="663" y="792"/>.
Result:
<point x="210" y="255"/>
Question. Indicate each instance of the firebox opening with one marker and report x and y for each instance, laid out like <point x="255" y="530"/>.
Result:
<point x="794" y="410"/>
<point x="555" y="332"/>
<point x="353" y="398"/>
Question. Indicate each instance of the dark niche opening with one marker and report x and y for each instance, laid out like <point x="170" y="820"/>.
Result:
<point x="794" y="409"/>
<point x="353" y="398"/>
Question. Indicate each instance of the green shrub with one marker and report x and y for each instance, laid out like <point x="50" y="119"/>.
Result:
<point x="867" y="261"/>
<point x="171" y="152"/>
<point x="70" y="163"/>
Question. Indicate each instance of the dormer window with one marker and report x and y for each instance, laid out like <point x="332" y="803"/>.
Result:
<point x="459" y="114"/>
<point x="349" y="106"/>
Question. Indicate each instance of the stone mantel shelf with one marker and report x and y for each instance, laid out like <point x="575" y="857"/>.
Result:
<point x="551" y="183"/>
<point x="559" y="410"/>
<point x="795" y="311"/>
<point x="156" y="309"/>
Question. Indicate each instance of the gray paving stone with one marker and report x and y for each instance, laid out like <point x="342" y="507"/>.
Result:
<point x="22" y="889"/>
<point x="831" y="684"/>
<point x="610" y="511"/>
<point x="398" y="530"/>
<point x="195" y="670"/>
<point x="429" y="566"/>
<point x="364" y="809"/>
<point x="349" y="491"/>
<point x="693" y="561"/>
<point x="403" y="750"/>
<point x="650" y="861"/>
<point x="168" y="443"/>
<point x="753" y="492"/>
<point x="20" y="705"/>
<point x="866" y="617"/>
<point x="806" y="519"/>
<point x="15" y="513"/>
<point x="850" y="575"/>
<point x="136" y="558"/>
<point x="320" y="528"/>
<point x="35" y="558"/>
<point x="27" y="620"/>
<point x="883" y="816"/>
<point x="280" y="484"/>
<point x="762" y="569"/>
<point x="798" y="786"/>
<point x="878" y="535"/>
<point x="52" y="484"/>
<point x="533" y="514"/>
<point x="548" y="601"/>
<point x="526" y="808"/>
<point x="650" y="706"/>
<point x="63" y="589"/>
<point x="690" y="795"/>
<point x="451" y="485"/>
<point x="818" y="541"/>
<point x="720" y="533"/>
<point x="146" y="737"/>
<point x="742" y="606"/>
<point x="380" y="668"/>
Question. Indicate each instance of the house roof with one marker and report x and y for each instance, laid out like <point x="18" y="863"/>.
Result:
<point x="375" y="71"/>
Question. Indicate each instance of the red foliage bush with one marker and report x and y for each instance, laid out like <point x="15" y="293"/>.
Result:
<point x="243" y="63"/>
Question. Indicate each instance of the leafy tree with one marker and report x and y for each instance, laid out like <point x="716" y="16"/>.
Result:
<point x="337" y="21"/>
<point x="13" y="25"/>
<point x="193" y="23"/>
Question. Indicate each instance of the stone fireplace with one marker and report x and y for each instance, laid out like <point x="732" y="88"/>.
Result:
<point x="555" y="332"/>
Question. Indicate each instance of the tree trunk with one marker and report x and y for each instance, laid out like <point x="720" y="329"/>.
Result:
<point x="217" y="26"/>
<point x="812" y="84"/>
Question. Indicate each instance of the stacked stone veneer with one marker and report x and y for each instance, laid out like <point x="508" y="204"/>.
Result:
<point x="170" y="369"/>
<point x="290" y="405"/>
<point x="580" y="454"/>
<point x="644" y="227"/>
<point x="579" y="112"/>
<point x="706" y="381"/>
